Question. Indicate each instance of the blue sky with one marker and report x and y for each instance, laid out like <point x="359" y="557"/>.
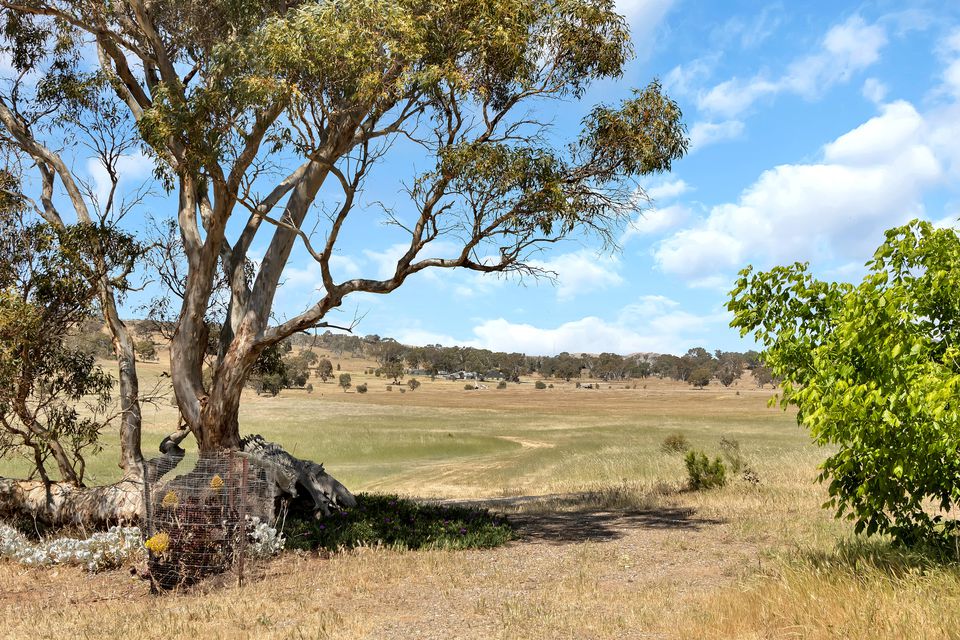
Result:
<point x="814" y="126"/>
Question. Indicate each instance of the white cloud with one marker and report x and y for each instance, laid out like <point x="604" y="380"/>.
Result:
<point x="846" y="49"/>
<point x="704" y="133"/>
<point x="880" y="138"/>
<point x="683" y="79"/>
<point x="308" y="276"/>
<point x="420" y="338"/>
<point x="130" y="168"/>
<point x="654" y="323"/>
<point x="874" y="90"/>
<point x="949" y="50"/>
<point x="385" y="260"/>
<point x="645" y="17"/>
<point x="868" y="179"/>
<point x="582" y="271"/>
<point x="731" y="97"/>
<point x="668" y="190"/>
<point x="752" y="32"/>
<point x="656" y="220"/>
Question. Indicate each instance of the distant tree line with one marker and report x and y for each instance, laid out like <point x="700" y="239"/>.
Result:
<point x="292" y="362"/>
<point x="698" y="366"/>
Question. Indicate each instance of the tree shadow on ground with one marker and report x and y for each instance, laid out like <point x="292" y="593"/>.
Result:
<point x="571" y="518"/>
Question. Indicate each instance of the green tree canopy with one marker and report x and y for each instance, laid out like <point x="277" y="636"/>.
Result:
<point x="874" y="371"/>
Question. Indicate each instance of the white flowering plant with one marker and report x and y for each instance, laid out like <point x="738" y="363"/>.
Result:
<point x="114" y="547"/>
<point x="263" y="540"/>
<point x="102" y="550"/>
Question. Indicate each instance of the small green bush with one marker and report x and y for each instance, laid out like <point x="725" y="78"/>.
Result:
<point x="675" y="443"/>
<point x="540" y="384"/>
<point x="362" y="388"/>
<point x="468" y="387"/>
<point x="703" y="474"/>
<point x="502" y="384"/>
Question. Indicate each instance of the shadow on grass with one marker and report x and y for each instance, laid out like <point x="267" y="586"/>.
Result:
<point x="598" y="526"/>
<point x="593" y="516"/>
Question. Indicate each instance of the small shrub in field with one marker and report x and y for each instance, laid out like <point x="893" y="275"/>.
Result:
<point x="502" y="384"/>
<point x="362" y="388"/>
<point x="413" y="383"/>
<point x="730" y="448"/>
<point x="389" y="388"/>
<point x="540" y="384"/>
<point x="675" y="443"/>
<point x="399" y="523"/>
<point x="468" y="387"/>
<point x="703" y="474"/>
<point x="550" y="386"/>
<point x="309" y="388"/>
<point x="402" y="390"/>
<point x="738" y="463"/>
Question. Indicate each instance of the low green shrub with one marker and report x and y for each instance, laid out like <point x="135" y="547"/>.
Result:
<point x="540" y="384"/>
<point x="703" y="474"/>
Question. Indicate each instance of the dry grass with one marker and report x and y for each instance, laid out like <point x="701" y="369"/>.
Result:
<point x="610" y="547"/>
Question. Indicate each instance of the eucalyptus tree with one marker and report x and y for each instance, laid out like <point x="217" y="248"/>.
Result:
<point x="264" y="119"/>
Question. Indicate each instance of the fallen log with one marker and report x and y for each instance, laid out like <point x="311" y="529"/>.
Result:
<point x="63" y="503"/>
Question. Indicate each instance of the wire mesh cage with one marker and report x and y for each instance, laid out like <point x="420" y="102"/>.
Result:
<point x="197" y="524"/>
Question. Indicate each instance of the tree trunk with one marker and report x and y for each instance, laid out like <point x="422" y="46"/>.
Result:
<point x="219" y="426"/>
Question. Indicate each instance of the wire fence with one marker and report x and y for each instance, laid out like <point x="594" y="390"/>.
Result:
<point x="197" y="524"/>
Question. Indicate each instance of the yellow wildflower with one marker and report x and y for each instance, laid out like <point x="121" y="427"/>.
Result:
<point x="171" y="499"/>
<point x="216" y="482"/>
<point x="158" y="543"/>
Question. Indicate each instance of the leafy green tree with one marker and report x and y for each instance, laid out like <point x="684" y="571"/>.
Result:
<point x="763" y="375"/>
<point x="270" y="384"/>
<point x="345" y="381"/>
<point x="729" y="368"/>
<point x="393" y="369"/>
<point x="324" y="369"/>
<point x="146" y="349"/>
<point x="53" y="397"/>
<point x="297" y="369"/>
<point x="874" y="371"/>
<point x="701" y="376"/>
